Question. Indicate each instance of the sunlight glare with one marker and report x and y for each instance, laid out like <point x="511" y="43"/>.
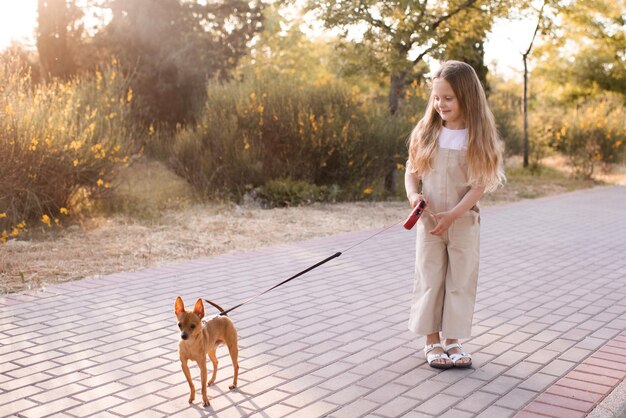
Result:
<point x="17" y="22"/>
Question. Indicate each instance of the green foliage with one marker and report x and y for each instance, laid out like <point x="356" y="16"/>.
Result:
<point x="591" y="134"/>
<point x="170" y="47"/>
<point x="271" y="127"/>
<point x="172" y="50"/>
<point x="588" y="55"/>
<point x="57" y="140"/>
<point x="286" y="192"/>
<point x="397" y="35"/>
<point x="506" y="103"/>
<point x="282" y="49"/>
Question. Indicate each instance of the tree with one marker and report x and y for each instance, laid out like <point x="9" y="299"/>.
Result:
<point x="173" y="46"/>
<point x="526" y="146"/>
<point x="470" y="48"/>
<point x="283" y="49"/>
<point x="400" y="34"/>
<point x="589" y="54"/>
<point x="57" y="32"/>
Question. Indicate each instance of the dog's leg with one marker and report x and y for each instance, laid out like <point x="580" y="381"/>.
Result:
<point x="213" y="358"/>
<point x="233" y="350"/>
<point x="203" y="375"/>
<point x="192" y="389"/>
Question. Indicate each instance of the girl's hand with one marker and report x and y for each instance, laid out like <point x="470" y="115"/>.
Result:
<point x="444" y="220"/>
<point x="415" y="198"/>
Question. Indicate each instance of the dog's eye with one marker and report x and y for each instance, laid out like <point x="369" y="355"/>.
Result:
<point x="179" y="325"/>
<point x="192" y="326"/>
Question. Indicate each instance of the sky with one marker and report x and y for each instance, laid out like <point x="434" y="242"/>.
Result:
<point x="503" y="47"/>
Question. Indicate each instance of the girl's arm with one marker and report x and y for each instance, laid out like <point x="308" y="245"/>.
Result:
<point x="445" y="219"/>
<point x="411" y="185"/>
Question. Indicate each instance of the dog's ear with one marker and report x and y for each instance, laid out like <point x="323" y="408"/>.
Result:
<point x="198" y="309"/>
<point x="179" y="306"/>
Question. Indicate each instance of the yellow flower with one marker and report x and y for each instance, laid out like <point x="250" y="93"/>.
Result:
<point x="3" y="215"/>
<point x="75" y="145"/>
<point x="400" y="166"/>
<point x="75" y="163"/>
<point x="98" y="79"/>
<point x="64" y="211"/>
<point x="46" y="219"/>
<point x="100" y="182"/>
<point x="368" y="191"/>
<point x="129" y="95"/>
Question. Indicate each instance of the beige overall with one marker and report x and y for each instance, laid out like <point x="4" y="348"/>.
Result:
<point x="446" y="266"/>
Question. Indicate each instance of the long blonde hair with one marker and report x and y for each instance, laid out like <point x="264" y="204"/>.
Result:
<point x="484" y="149"/>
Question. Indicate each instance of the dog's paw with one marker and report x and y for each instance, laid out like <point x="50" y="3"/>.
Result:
<point x="231" y="387"/>
<point x="211" y="383"/>
<point x="191" y="398"/>
<point x="205" y="402"/>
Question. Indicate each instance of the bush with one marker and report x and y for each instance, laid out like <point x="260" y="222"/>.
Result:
<point x="506" y="103"/>
<point x="591" y="134"/>
<point x="56" y="140"/>
<point x="270" y="128"/>
<point x="287" y="192"/>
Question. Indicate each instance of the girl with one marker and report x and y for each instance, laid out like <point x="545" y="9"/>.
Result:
<point x="455" y="154"/>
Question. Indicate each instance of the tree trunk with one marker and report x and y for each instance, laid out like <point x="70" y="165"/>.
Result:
<point x="54" y="54"/>
<point x="525" y="112"/>
<point x="396" y="91"/>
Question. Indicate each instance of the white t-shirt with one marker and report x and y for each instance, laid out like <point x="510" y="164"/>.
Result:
<point x="453" y="138"/>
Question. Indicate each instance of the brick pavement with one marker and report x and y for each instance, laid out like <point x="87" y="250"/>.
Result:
<point x="552" y="292"/>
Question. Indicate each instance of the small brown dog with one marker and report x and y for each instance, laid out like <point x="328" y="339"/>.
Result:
<point x="199" y="338"/>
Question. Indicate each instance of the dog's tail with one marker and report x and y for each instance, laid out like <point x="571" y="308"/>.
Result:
<point x="215" y="305"/>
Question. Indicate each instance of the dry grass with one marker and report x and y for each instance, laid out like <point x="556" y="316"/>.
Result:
<point x="154" y="219"/>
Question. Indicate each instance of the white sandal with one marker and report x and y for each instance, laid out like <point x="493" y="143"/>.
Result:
<point x="458" y="356"/>
<point x="430" y="358"/>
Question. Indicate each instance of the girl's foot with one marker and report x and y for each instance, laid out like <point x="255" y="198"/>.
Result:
<point x="459" y="358"/>
<point x="436" y="356"/>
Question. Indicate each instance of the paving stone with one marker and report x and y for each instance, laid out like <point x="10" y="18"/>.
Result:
<point x="558" y="367"/>
<point x="501" y="385"/>
<point x="477" y="401"/>
<point x="553" y="411"/>
<point x="398" y="406"/>
<point x="497" y="412"/>
<point x="437" y="404"/>
<point x="516" y="399"/>
<point x="538" y="382"/>
<point x="356" y="409"/>
<point x="334" y="342"/>
<point x="566" y="402"/>
<point x="523" y="369"/>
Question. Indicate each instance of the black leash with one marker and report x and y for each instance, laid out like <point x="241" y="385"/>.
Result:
<point x="326" y="260"/>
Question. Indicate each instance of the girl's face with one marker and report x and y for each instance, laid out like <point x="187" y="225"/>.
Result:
<point x="447" y="105"/>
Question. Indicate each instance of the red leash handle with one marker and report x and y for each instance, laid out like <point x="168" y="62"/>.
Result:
<point x="415" y="214"/>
